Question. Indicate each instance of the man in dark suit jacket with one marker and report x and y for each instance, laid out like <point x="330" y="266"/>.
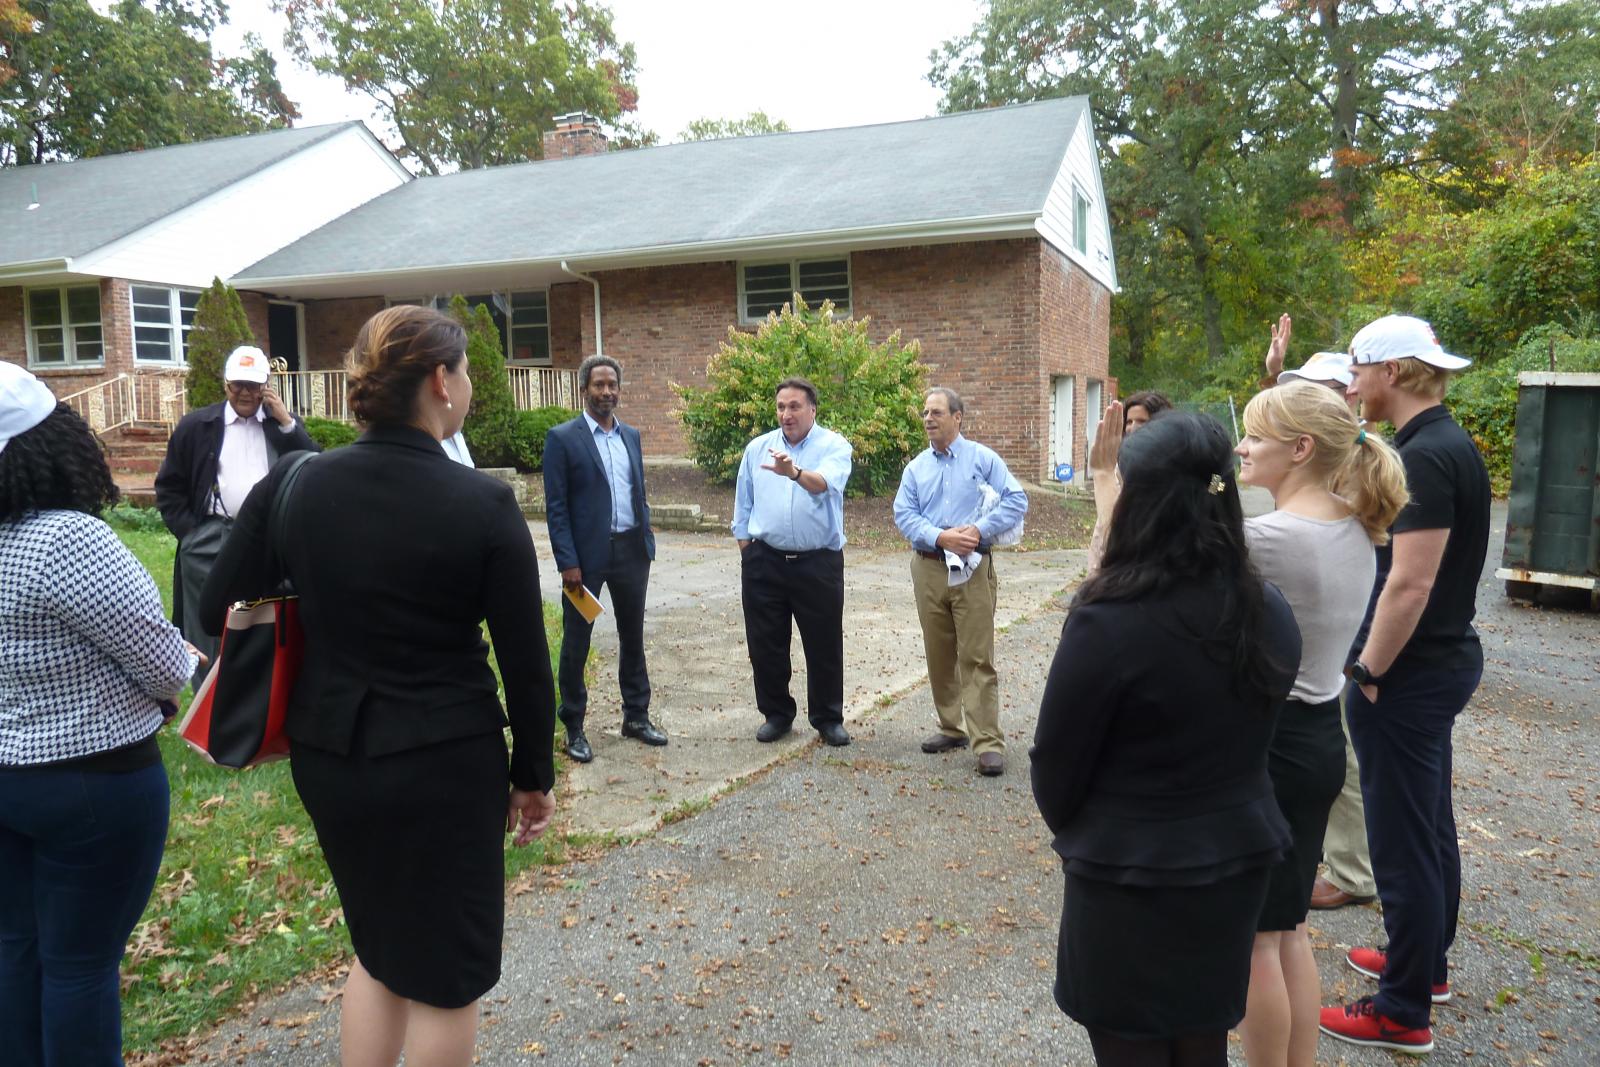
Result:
<point x="216" y="455"/>
<point x="600" y="535"/>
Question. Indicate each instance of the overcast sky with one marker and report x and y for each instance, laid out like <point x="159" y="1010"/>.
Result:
<point x="816" y="65"/>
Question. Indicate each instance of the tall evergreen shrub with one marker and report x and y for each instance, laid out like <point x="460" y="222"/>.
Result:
<point x="219" y="327"/>
<point x="491" y="426"/>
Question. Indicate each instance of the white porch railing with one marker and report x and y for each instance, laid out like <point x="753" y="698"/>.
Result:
<point x="537" y="387"/>
<point x="319" y="394"/>
<point x="312" y="394"/>
<point x="127" y="399"/>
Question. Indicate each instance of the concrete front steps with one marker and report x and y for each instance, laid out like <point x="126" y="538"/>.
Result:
<point x="137" y="448"/>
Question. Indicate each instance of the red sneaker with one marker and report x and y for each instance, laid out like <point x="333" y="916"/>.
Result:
<point x="1361" y="1024"/>
<point x="1371" y="962"/>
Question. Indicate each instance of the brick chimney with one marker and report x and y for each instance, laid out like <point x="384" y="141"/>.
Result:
<point x="576" y="134"/>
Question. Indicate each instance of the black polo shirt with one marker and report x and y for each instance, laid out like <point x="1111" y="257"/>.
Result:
<point x="1449" y="490"/>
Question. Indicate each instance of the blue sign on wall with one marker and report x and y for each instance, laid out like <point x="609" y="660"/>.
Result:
<point x="1063" y="472"/>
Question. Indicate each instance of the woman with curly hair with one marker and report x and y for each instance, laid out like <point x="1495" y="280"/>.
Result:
<point x="89" y="667"/>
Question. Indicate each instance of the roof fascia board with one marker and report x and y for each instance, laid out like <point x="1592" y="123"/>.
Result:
<point x="384" y="151"/>
<point x="37" y="266"/>
<point x="973" y="228"/>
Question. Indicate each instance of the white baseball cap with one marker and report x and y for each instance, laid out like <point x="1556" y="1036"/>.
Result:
<point x="1323" y="367"/>
<point x="247" y="363"/>
<point x="25" y="402"/>
<point x="1402" y="337"/>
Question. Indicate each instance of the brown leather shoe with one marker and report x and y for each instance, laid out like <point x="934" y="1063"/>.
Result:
<point x="943" y="743"/>
<point x="991" y="764"/>
<point x="1326" y="896"/>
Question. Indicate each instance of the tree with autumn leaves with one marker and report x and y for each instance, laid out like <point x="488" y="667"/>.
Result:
<point x="1247" y="148"/>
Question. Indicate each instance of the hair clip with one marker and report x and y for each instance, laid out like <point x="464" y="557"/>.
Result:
<point x="1215" y="488"/>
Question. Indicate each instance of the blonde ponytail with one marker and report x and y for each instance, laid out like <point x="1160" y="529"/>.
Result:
<point x="1355" y="465"/>
<point x="1372" y="481"/>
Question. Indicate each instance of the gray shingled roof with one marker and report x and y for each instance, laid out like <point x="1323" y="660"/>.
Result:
<point x="954" y="167"/>
<point x="88" y="203"/>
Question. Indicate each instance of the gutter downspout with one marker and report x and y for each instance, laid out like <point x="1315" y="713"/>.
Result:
<point x="599" y="345"/>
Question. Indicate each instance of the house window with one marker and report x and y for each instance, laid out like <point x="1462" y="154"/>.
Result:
<point x="766" y="287"/>
<point x="64" y="326"/>
<point x="162" y="319"/>
<point x="523" y="319"/>
<point x="529" y="335"/>
<point x="1080" y="220"/>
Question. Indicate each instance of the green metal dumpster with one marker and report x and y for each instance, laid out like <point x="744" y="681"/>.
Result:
<point x="1553" y="519"/>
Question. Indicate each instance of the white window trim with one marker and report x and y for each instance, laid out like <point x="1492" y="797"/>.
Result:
<point x="69" y="343"/>
<point x="180" y="336"/>
<point x="794" y="280"/>
<point x="427" y="301"/>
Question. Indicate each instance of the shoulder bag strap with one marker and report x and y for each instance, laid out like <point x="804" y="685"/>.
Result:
<point x="278" y="516"/>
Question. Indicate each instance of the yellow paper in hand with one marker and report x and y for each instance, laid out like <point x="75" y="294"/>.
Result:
<point x="585" y="602"/>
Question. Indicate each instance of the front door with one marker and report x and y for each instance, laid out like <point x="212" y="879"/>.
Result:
<point x="1093" y="409"/>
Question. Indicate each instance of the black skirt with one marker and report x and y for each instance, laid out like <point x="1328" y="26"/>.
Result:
<point x="1156" y="963"/>
<point x="415" y="842"/>
<point x="1306" y="762"/>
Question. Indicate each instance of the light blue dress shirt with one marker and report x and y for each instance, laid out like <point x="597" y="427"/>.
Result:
<point x="779" y="511"/>
<point x="619" y="472"/>
<point x="939" y="490"/>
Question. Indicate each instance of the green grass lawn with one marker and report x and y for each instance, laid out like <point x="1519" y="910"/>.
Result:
<point x="244" y="902"/>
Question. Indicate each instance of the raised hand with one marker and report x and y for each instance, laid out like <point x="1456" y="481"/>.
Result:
<point x="1279" y="347"/>
<point x="1107" y="441"/>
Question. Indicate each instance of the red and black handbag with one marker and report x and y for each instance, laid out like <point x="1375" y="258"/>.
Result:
<point x="236" y="719"/>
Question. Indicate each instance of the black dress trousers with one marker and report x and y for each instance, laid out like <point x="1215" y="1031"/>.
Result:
<point x="628" y="575"/>
<point x="807" y="587"/>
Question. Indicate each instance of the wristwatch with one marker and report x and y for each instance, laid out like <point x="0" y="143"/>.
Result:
<point x="1358" y="673"/>
<point x="798" y="471"/>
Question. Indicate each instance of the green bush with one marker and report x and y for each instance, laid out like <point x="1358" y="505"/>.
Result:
<point x="491" y="425"/>
<point x="219" y="327"/>
<point x="872" y="394"/>
<point x="330" y="433"/>
<point x="532" y="426"/>
<point x="1484" y="399"/>
<point x="125" y="516"/>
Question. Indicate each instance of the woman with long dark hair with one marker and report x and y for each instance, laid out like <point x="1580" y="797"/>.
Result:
<point x="89" y="666"/>
<point x="399" y="554"/>
<point x="1150" y="758"/>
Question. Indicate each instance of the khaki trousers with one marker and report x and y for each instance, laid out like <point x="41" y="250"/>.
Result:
<point x="958" y="639"/>
<point x="1344" y="847"/>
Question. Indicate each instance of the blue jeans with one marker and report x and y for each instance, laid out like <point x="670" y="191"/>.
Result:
<point x="79" y="853"/>
<point x="1402" y="744"/>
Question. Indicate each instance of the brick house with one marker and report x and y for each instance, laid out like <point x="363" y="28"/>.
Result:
<point x="983" y="235"/>
<point x="102" y="260"/>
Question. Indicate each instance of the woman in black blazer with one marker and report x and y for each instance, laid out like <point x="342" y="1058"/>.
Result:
<point x="1150" y="759"/>
<point x="396" y="730"/>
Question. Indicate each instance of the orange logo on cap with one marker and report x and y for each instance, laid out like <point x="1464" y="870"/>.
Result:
<point x="247" y="360"/>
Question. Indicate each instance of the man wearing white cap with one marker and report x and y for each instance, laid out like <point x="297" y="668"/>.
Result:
<point x="216" y="456"/>
<point x="1417" y="664"/>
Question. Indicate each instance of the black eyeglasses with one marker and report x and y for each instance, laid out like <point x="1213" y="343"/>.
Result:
<point x="247" y="387"/>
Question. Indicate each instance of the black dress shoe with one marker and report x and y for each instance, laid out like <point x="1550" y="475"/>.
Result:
<point x="644" y="730"/>
<point x="578" y="746"/>
<point x="773" y="729"/>
<point x="833" y="734"/>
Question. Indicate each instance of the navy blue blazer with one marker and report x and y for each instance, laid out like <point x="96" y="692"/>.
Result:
<point x="577" y="496"/>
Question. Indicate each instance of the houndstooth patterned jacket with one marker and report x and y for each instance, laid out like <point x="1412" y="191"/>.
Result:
<point x="86" y="652"/>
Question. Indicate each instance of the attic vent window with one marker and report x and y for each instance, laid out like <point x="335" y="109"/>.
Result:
<point x="766" y="287"/>
<point x="1080" y="220"/>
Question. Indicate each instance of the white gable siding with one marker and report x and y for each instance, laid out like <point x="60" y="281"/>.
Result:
<point x="1080" y="169"/>
<point x="251" y="219"/>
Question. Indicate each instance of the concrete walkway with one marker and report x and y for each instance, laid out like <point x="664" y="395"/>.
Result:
<point x="703" y="693"/>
